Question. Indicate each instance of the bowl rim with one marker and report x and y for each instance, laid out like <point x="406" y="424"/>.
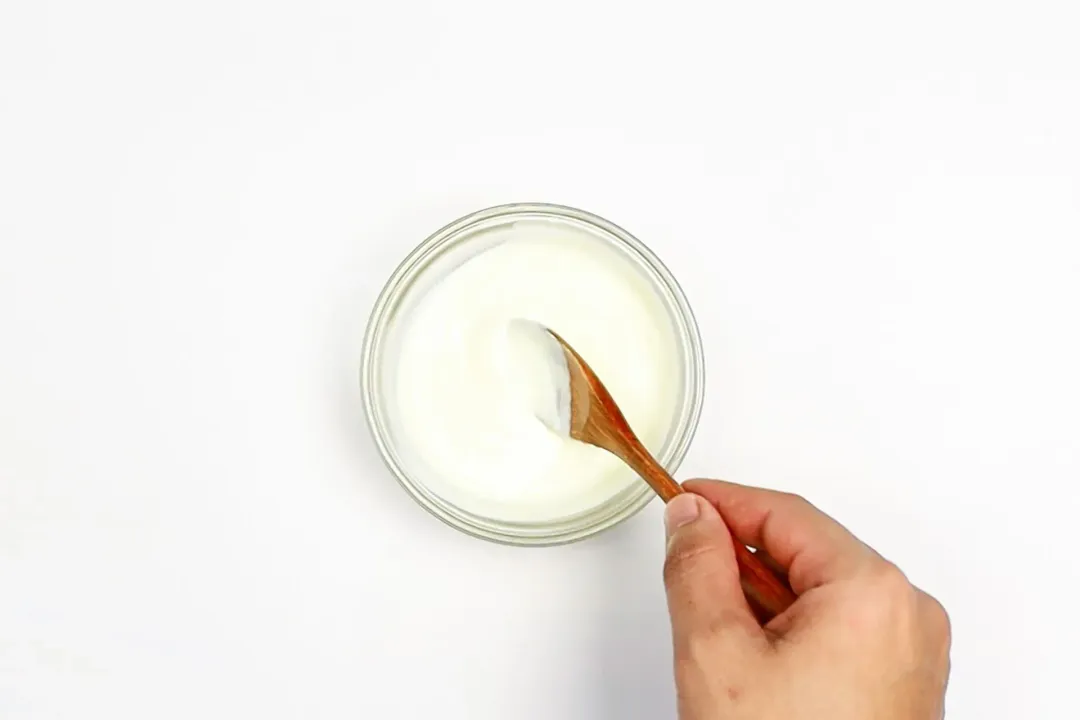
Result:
<point x="622" y="506"/>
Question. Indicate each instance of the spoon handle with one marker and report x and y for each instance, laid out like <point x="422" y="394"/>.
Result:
<point x="769" y="594"/>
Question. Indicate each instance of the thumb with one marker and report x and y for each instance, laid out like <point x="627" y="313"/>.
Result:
<point x="705" y="599"/>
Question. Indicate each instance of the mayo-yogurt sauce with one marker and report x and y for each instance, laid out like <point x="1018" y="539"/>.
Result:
<point x="465" y="397"/>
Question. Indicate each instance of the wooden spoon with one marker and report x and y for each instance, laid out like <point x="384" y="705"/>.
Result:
<point x="594" y="418"/>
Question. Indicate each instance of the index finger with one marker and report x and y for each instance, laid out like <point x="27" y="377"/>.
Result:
<point x="813" y="548"/>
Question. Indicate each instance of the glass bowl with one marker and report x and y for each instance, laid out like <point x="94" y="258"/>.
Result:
<point x="432" y="260"/>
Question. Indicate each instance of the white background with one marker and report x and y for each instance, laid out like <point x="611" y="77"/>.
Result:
<point x="874" y="209"/>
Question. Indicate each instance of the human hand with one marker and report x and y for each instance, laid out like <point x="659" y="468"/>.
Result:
<point x="860" y="643"/>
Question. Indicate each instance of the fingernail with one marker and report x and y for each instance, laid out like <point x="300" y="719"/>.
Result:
<point x="681" y="510"/>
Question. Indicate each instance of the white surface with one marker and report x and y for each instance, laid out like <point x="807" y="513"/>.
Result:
<point x="874" y="210"/>
<point x="475" y="370"/>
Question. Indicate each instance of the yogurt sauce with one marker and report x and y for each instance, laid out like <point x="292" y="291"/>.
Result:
<point x="467" y="390"/>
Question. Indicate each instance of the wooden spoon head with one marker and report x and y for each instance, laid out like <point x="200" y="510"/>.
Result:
<point x="594" y="417"/>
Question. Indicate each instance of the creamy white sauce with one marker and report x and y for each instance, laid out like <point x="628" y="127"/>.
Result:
<point x="469" y="388"/>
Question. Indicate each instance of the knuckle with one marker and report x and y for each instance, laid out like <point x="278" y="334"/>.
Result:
<point x="936" y="632"/>
<point x="684" y="560"/>
<point x="724" y="623"/>
<point x="796" y="500"/>
<point x="890" y="581"/>
<point x="886" y="599"/>
<point x="939" y="625"/>
<point x="698" y="647"/>
<point x="720" y="634"/>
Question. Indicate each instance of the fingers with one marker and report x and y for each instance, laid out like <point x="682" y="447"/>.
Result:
<point x="704" y="596"/>
<point x="810" y="545"/>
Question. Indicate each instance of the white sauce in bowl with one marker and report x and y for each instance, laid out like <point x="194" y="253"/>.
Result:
<point x="464" y="392"/>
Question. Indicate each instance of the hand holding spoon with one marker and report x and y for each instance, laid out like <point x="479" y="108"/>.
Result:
<point x="589" y="414"/>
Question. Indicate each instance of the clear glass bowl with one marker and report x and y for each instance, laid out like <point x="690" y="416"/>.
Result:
<point x="432" y="260"/>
